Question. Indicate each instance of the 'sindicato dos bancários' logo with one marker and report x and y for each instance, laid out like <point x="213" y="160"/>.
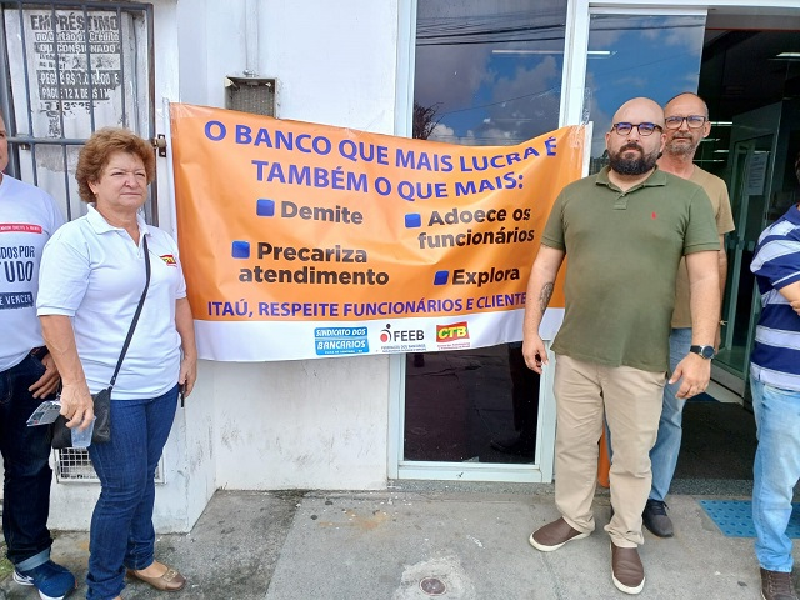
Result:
<point x="455" y="332"/>
<point x="332" y="341"/>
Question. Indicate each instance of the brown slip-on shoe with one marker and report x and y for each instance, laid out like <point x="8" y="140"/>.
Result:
<point x="554" y="535"/>
<point x="171" y="581"/>
<point x="627" y="571"/>
<point x="777" y="585"/>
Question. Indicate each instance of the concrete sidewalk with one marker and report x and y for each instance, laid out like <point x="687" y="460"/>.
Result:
<point x="382" y="545"/>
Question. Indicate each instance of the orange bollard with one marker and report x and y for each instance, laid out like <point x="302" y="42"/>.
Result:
<point x="603" y="461"/>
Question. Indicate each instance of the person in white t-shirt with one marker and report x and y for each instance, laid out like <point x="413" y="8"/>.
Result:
<point x="28" y="375"/>
<point x="92" y="277"/>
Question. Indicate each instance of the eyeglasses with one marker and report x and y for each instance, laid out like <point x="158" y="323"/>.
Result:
<point x="644" y="129"/>
<point x="692" y="121"/>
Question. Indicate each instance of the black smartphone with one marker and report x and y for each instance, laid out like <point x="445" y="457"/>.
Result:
<point x="182" y="394"/>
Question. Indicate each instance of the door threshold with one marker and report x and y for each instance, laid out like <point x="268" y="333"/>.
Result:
<point x="734" y="383"/>
<point x="469" y="471"/>
<point x="721" y="393"/>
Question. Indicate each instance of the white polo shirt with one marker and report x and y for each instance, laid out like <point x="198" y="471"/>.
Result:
<point x="28" y="217"/>
<point x="95" y="274"/>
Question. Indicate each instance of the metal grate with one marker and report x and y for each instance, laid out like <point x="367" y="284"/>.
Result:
<point x="73" y="465"/>
<point x="67" y="68"/>
<point x="250" y="95"/>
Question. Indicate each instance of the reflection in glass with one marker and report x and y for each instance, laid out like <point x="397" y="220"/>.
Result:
<point x="488" y="72"/>
<point x="471" y="406"/>
<point x="637" y="55"/>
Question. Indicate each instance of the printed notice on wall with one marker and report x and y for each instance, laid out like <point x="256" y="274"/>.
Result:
<point x="756" y="173"/>
<point x="64" y="45"/>
<point x="71" y="72"/>
<point x="72" y="67"/>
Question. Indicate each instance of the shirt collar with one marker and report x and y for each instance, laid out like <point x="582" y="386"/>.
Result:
<point x="793" y="214"/>
<point x="100" y="225"/>
<point x="656" y="178"/>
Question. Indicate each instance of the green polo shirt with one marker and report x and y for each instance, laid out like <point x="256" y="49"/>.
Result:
<point x="623" y="251"/>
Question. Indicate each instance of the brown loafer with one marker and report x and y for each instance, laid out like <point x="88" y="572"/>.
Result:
<point x="554" y="535"/>
<point x="171" y="581"/>
<point x="627" y="571"/>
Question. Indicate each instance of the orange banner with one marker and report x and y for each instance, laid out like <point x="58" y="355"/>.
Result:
<point x="291" y="230"/>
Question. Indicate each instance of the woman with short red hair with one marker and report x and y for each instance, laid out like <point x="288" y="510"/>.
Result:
<point x="105" y="277"/>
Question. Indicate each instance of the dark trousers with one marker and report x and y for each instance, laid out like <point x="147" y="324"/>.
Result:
<point x="26" y="451"/>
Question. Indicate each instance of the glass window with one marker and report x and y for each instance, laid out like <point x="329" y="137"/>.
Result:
<point x="637" y="55"/>
<point x="488" y="72"/>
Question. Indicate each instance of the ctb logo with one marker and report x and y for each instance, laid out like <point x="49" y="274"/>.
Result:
<point x="452" y="333"/>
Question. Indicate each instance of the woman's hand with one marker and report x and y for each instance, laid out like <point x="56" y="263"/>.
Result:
<point x="76" y="405"/>
<point x="188" y="374"/>
<point x="185" y="326"/>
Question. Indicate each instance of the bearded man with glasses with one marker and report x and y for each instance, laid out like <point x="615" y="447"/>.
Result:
<point x="686" y="124"/>
<point x="624" y="230"/>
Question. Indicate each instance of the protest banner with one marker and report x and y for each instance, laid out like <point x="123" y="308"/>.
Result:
<point x="303" y="241"/>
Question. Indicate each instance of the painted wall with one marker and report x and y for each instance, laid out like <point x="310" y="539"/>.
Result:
<point x="308" y="424"/>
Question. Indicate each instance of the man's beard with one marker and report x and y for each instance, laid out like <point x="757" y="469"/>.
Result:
<point x="632" y="166"/>
<point x="681" y="149"/>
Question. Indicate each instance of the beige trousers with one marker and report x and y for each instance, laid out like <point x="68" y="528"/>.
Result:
<point x="632" y="400"/>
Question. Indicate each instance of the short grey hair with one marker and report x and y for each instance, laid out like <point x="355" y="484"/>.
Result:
<point x="676" y="96"/>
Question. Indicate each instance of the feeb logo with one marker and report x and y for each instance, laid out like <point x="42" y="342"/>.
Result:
<point x="401" y="335"/>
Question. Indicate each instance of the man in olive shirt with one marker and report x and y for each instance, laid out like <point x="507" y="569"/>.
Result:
<point x="686" y="124"/>
<point x="624" y="230"/>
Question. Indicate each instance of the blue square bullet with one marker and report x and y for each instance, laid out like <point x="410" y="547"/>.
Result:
<point x="240" y="249"/>
<point x="413" y="220"/>
<point x="441" y="277"/>
<point x="265" y="208"/>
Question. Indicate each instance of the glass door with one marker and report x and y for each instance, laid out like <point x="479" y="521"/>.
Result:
<point x="637" y="52"/>
<point x="750" y="168"/>
<point x="486" y="73"/>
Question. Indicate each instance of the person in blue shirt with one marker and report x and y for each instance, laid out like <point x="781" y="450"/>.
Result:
<point x="775" y="385"/>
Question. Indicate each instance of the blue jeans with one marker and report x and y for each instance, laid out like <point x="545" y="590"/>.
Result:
<point x="664" y="455"/>
<point x="776" y="471"/>
<point x="122" y="533"/>
<point x="26" y="451"/>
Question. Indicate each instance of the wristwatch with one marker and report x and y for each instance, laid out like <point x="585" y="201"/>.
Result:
<point x="706" y="352"/>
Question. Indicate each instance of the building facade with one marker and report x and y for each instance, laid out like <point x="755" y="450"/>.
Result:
<point x="490" y="72"/>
